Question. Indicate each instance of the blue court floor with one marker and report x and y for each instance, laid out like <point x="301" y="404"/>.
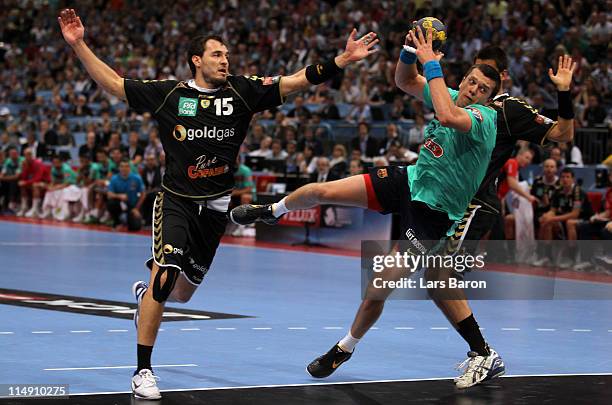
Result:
<point x="298" y="305"/>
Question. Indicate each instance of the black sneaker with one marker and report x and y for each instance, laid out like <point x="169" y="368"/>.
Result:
<point x="325" y="365"/>
<point x="248" y="213"/>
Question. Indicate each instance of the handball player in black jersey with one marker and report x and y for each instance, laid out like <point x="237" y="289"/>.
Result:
<point x="202" y="123"/>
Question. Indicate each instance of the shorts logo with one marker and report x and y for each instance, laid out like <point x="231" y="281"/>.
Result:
<point x="413" y="239"/>
<point x="434" y="148"/>
<point x="169" y="249"/>
<point x="477" y="114"/>
<point x="382" y="173"/>
<point x="204" y="103"/>
<point x="187" y="107"/>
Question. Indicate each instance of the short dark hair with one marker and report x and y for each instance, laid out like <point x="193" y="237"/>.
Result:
<point x="364" y="123"/>
<point x="124" y="160"/>
<point x="496" y="54"/>
<point x="490" y="73"/>
<point x="197" y="46"/>
<point x="568" y="170"/>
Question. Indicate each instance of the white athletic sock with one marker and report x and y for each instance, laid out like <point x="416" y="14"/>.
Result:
<point x="348" y="343"/>
<point x="279" y="209"/>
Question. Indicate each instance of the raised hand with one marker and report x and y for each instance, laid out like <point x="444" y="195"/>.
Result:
<point x="565" y="71"/>
<point x="71" y="25"/>
<point x="358" y="49"/>
<point x="423" y="44"/>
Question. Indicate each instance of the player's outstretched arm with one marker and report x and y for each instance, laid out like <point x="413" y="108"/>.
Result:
<point x="73" y="32"/>
<point x="447" y="112"/>
<point x="407" y="77"/>
<point x="356" y="50"/>
<point x="564" y="130"/>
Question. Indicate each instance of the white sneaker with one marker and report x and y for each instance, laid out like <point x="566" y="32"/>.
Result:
<point x="480" y="369"/>
<point x="144" y="385"/>
<point x="21" y="211"/>
<point x="46" y="213"/>
<point x="138" y="290"/>
<point x="79" y="217"/>
<point x="542" y="262"/>
<point x="32" y="213"/>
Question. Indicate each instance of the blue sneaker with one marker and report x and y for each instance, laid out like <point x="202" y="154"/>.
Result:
<point x="480" y="369"/>
<point x="138" y="289"/>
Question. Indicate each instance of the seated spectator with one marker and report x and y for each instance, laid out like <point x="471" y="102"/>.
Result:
<point x="544" y="188"/>
<point x="569" y="203"/>
<point x="398" y="153"/>
<point x="152" y="180"/>
<point x="101" y="174"/>
<point x="64" y="137"/>
<point x="416" y="135"/>
<point x="125" y="197"/>
<point x="39" y="149"/>
<point x="264" y="148"/>
<point x="355" y="167"/>
<point x="33" y="174"/>
<point x="134" y="150"/>
<point x="244" y="189"/>
<point x="399" y="109"/>
<point x="154" y="146"/>
<point x="392" y="137"/>
<point x="55" y="204"/>
<point x="364" y="142"/>
<point x="329" y="111"/>
<point x="46" y="133"/>
<point x="555" y="154"/>
<point x="90" y="146"/>
<point x="84" y="182"/>
<point x="311" y="141"/>
<point x="337" y="164"/>
<point x="277" y="151"/>
<point x="116" y="156"/>
<point x="299" y="110"/>
<point x="257" y="134"/>
<point x="322" y="173"/>
<point x="81" y="109"/>
<point x="292" y="153"/>
<point x="361" y="112"/>
<point x="594" y="114"/>
<point x="570" y="154"/>
<point x="307" y="161"/>
<point x="114" y="142"/>
<point x="9" y="178"/>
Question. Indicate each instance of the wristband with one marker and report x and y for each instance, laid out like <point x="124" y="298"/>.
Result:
<point x="407" y="58"/>
<point x="566" y="109"/>
<point x="432" y="70"/>
<point x="322" y="72"/>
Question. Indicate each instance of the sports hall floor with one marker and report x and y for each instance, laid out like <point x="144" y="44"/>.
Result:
<point x="272" y="311"/>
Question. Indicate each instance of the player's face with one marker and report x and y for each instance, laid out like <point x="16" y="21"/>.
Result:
<point x="214" y="63"/>
<point x="475" y="88"/>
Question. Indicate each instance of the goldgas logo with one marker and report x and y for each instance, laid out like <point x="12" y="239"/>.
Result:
<point x="434" y="148"/>
<point x="181" y="133"/>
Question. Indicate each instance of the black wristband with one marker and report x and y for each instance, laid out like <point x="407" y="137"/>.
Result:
<point x="566" y="109"/>
<point x="322" y="72"/>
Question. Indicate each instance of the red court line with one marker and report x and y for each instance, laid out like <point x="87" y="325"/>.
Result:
<point x="229" y="240"/>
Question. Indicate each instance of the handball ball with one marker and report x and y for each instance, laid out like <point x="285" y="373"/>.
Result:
<point x="438" y="30"/>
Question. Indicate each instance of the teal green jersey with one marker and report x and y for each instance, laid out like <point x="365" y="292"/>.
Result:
<point x="12" y="167"/>
<point x="452" y="164"/>
<point x="64" y="175"/>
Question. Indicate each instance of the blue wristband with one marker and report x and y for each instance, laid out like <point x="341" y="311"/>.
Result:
<point x="432" y="70"/>
<point x="407" y="58"/>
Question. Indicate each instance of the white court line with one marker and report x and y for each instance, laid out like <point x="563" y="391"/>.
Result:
<point x="609" y="330"/>
<point x="546" y="330"/>
<point x="117" y="330"/>
<point x="332" y="327"/>
<point x="188" y="329"/>
<point x="261" y="328"/>
<point x="403" y="328"/>
<point x="162" y="330"/>
<point x="510" y="328"/>
<point x="36" y="332"/>
<point x="374" y="328"/>
<point x="338" y="383"/>
<point x="7" y="333"/>
<point x="80" y="331"/>
<point x="582" y="330"/>
<point x="439" y="328"/>
<point x="226" y="328"/>
<point x="115" y="367"/>
<point x="303" y="328"/>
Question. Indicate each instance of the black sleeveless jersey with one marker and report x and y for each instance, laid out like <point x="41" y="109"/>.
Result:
<point x="202" y="132"/>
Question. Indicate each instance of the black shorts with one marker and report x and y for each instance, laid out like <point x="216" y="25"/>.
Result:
<point x="185" y="235"/>
<point x="389" y="192"/>
<point x="478" y="219"/>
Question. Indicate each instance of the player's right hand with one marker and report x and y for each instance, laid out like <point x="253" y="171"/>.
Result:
<point x="71" y="25"/>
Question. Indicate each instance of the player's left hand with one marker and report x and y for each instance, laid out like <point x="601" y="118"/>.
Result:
<point x="423" y="44"/>
<point x="358" y="49"/>
<point x="565" y="70"/>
